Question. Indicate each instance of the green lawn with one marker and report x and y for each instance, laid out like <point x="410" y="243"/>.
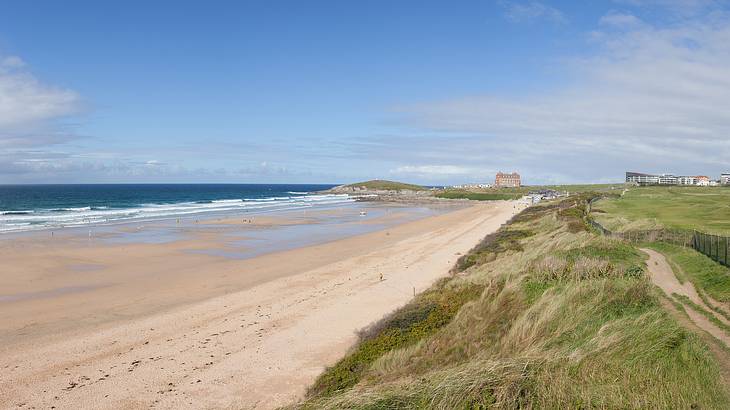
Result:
<point x="705" y="209"/>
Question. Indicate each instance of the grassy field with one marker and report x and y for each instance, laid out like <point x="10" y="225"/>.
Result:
<point x="478" y="196"/>
<point x="542" y="314"/>
<point x="704" y="209"/>
<point x="379" y="184"/>
<point x="492" y="194"/>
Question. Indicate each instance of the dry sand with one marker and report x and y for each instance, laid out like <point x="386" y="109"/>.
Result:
<point x="152" y="325"/>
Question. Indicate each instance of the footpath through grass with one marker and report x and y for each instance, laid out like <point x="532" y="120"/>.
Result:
<point x="543" y="314"/>
<point x="706" y="274"/>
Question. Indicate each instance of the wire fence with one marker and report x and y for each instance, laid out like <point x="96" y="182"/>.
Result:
<point x="713" y="246"/>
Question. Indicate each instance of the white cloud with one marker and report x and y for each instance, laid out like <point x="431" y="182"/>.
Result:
<point x="624" y="20"/>
<point x="29" y="108"/>
<point x="653" y="98"/>
<point x="683" y="7"/>
<point x="436" y="170"/>
<point x="531" y="11"/>
<point x="12" y="62"/>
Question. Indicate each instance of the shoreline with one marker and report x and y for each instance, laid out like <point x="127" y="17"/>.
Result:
<point x="286" y="295"/>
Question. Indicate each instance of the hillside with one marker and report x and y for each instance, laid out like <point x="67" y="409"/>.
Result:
<point x="383" y="185"/>
<point x="543" y="314"/>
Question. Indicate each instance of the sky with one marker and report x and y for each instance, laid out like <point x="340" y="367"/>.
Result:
<point x="429" y="92"/>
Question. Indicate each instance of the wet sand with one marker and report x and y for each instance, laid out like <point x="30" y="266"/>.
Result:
<point x="97" y="324"/>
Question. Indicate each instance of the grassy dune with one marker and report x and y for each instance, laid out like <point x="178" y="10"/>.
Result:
<point x="543" y="314"/>
<point x="379" y="184"/>
<point x="705" y="209"/>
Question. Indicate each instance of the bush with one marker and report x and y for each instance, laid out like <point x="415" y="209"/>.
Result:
<point x="422" y="317"/>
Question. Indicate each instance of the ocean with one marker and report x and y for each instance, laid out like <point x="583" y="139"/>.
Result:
<point x="32" y="207"/>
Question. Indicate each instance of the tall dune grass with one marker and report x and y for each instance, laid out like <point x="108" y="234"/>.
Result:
<point x="562" y="319"/>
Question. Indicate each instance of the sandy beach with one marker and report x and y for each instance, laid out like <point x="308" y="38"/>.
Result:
<point x="93" y="323"/>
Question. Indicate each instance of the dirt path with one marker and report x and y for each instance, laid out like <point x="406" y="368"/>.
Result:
<point x="663" y="276"/>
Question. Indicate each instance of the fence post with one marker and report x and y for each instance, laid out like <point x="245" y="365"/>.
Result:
<point x="717" y="247"/>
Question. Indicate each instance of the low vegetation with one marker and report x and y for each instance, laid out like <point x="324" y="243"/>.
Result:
<point x="539" y="315"/>
<point x="478" y="196"/>
<point x="383" y="185"/>
<point x="573" y="189"/>
<point x="423" y="316"/>
<point x="487" y="250"/>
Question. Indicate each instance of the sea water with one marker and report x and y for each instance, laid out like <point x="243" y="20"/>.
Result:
<point x="32" y="207"/>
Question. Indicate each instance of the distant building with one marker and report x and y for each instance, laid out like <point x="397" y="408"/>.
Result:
<point x="471" y="186"/>
<point x="687" y="180"/>
<point x="642" y="179"/>
<point x="503" y="180"/>
<point x="669" y="179"/>
<point x="703" y="180"/>
<point x="725" y="179"/>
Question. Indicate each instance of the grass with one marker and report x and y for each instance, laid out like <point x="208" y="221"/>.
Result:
<point x="705" y="209"/>
<point x="706" y="274"/>
<point x="523" y="190"/>
<point x="383" y="185"/>
<point x="478" y="196"/>
<point x="492" y="245"/>
<point x="592" y="335"/>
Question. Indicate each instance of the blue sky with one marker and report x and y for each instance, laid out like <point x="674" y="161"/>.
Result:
<point x="335" y="91"/>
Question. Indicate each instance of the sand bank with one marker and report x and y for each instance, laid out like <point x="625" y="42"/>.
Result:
<point x="156" y="325"/>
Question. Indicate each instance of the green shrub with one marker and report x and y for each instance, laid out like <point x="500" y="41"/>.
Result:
<point x="426" y="314"/>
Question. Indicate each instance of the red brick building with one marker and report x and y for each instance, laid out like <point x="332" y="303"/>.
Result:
<point x="503" y="180"/>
